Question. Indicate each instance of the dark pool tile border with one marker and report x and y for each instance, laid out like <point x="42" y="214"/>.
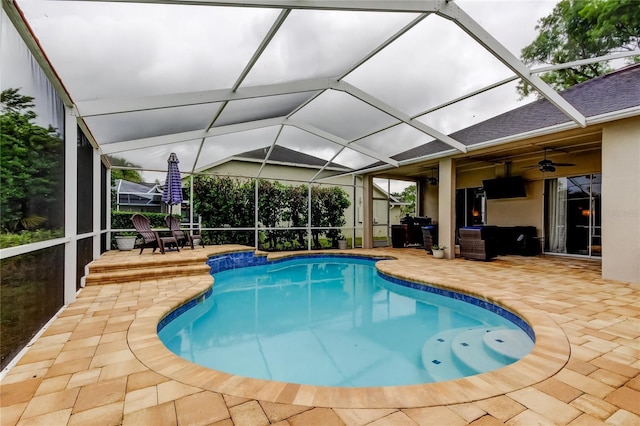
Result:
<point x="484" y="304"/>
<point x="183" y="308"/>
<point x="324" y="255"/>
<point x="223" y="262"/>
<point x="226" y="261"/>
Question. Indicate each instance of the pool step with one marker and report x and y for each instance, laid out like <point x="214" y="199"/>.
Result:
<point x="510" y="345"/>
<point x="438" y="360"/>
<point x="467" y="351"/>
<point x="144" y="263"/>
<point x="118" y="273"/>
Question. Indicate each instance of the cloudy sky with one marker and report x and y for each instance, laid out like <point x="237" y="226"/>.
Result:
<point x="123" y="50"/>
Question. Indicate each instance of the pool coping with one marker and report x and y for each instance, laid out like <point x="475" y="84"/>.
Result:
<point x="549" y="355"/>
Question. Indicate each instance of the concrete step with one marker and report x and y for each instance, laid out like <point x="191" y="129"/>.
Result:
<point x="144" y="263"/>
<point x="468" y="349"/>
<point x="149" y="272"/>
<point x="510" y="345"/>
<point x="460" y="352"/>
<point x="438" y="360"/>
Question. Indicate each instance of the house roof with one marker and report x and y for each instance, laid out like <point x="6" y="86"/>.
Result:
<point x="281" y="154"/>
<point x="616" y="91"/>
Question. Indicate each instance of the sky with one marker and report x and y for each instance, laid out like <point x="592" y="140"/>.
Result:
<point x="122" y="50"/>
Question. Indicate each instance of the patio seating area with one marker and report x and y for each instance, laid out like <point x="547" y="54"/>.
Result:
<point x="98" y="361"/>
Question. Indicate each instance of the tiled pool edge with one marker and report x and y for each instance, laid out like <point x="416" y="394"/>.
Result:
<point x="550" y="354"/>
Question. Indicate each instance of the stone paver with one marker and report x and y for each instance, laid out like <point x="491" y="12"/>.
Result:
<point x="97" y="363"/>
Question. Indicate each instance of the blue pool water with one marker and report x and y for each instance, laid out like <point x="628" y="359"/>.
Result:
<point x="335" y="322"/>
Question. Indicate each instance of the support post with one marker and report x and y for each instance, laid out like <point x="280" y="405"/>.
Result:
<point x="367" y="217"/>
<point x="446" y="206"/>
<point x="70" y="205"/>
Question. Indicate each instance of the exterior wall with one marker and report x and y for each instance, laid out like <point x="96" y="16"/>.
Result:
<point x="509" y="212"/>
<point x="519" y="211"/>
<point x="430" y="202"/>
<point x="621" y="201"/>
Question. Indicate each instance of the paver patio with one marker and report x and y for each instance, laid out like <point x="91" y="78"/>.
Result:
<point x="100" y="361"/>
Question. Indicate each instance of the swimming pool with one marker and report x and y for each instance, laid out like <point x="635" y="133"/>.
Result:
<point x="334" y="321"/>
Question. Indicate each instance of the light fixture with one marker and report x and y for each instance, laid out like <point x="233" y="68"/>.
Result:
<point x="432" y="180"/>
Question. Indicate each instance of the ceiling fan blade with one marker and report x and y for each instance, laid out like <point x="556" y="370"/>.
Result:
<point x="563" y="164"/>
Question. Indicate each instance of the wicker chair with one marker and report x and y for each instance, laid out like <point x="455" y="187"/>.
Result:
<point x="475" y="243"/>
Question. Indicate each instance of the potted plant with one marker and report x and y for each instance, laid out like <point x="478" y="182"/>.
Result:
<point x="438" y="251"/>
<point x="342" y="242"/>
<point x="126" y="240"/>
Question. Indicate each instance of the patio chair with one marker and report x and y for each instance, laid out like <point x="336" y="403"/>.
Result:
<point x="477" y="243"/>
<point x="151" y="238"/>
<point x="180" y="235"/>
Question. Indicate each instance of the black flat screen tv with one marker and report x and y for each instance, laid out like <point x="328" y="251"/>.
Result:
<point x="511" y="187"/>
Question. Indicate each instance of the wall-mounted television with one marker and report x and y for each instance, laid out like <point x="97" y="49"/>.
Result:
<point x="510" y="187"/>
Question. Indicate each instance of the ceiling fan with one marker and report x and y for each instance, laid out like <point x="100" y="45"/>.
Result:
<point x="546" y="165"/>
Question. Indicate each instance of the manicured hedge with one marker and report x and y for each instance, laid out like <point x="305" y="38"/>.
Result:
<point x="122" y="220"/>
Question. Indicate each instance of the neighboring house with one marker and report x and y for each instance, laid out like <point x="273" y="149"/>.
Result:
<point x="137" y="197"/>
<point x="291" y="167"/>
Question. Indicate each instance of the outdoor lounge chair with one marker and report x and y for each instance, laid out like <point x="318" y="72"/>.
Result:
<point x="180" y="235"/>
<point x="477" y="243"/>
<point x="151" y="238"/>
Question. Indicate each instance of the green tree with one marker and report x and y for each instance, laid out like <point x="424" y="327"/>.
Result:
<point x="581" y="29"/>
<point x="296" y="211"/>
<point x="408" y="195"/>
<point x="223" y="201"/>
<point x="31" y="170"/>
<point x="327" y="210"/>
<point x="125" y="174"/>
<point x="271" y="204"/>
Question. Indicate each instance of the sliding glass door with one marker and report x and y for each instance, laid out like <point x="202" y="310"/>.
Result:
<point x="572" y="215"/>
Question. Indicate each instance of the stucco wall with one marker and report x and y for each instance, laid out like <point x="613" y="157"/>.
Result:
<point x="621" y="201"/>
<point x="508" y="212"/>
<point x="518" y="211"/>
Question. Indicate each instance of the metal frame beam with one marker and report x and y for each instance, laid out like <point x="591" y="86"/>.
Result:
<point x="338" y="140"/>
<point x="129" y="145"/>
<point x="348" y="5"/>
<point x="405" y="118"/>
<point x="116" y="106"/>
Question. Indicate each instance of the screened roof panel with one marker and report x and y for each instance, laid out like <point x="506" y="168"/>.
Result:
<point x="473" y="110"/>
<point x="354" y="159"/>
<point x="143" y="124"/>
<point x="343" y="115"/>
<point x="432" y="63"/>
<point x="500" y="18"/>
<point x="322" y="43"/>
<point x="155" y="158"/>
<point x="107" y="49"/>
<point x="259" y="108"/>
<point x="311" y="144"/>
<point x="394" y="140"/>
<point x="220" y="148"/>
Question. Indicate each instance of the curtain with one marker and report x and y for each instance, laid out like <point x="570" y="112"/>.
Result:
<point x="557" y="215"/>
